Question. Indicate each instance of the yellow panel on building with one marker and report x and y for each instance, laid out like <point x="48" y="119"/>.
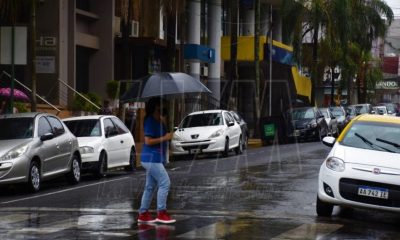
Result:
<point x="245" y="50"/>
<point x="303" y="84"/>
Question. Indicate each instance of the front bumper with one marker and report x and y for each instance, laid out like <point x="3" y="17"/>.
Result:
<point x="304" y="133"/>
<point x="200" y="146"/>
<point x="344" y="186"/>
<point x="14" y="171"/>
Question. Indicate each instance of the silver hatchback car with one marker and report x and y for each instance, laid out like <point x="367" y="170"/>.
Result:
<point x="36" y="147"/>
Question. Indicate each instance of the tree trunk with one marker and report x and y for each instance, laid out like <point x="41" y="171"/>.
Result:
<point x="315" y="64"/>
<point x="33" y="57"/>
<point x="332" y="87"/>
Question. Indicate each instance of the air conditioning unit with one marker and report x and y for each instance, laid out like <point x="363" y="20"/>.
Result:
<point x="117" y="26"/>
<point x="134" y="29"/>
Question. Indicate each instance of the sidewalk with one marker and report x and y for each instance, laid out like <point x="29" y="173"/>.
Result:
<point x="254" y="143"/>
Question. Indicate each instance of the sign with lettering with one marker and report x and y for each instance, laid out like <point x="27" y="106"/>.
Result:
<point x="45" y="64"/>
<point x="389" y="84"/>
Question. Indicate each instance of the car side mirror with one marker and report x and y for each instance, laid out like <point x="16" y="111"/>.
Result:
<point x="333" y="117"/>
<point x="329" y="141"/>
<point x="46" y="137"/>
<point x="230" y="124"/>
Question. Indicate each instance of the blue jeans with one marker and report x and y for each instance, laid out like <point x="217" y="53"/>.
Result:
<point x="156" y="176"/>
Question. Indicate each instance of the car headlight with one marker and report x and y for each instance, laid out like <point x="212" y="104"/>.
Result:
<point x="15" y="152"/>
<point x="335" y="164"/>
<point x="86" y="149"/>
<point x="176" y="137"/>
<point x="217" y="133"/>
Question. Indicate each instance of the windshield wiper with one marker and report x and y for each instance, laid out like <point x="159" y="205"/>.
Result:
<point x="371" y="144"/>
<point x="388" y="142"/>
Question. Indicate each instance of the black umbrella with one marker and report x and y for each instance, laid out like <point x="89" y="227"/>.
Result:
<point x="163" y="84"/>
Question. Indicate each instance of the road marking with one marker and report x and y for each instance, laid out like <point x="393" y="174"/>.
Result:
<point x="62" y="191"/>
<point x="13" y="218"/>
<point x="309" y="231"/>
<point x="205" y="214"/>
<point x="216" y="230"/>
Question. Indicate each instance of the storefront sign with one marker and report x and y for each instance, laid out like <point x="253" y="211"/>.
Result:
<point x="392" y="84"/>
<point x="45" y="64"/>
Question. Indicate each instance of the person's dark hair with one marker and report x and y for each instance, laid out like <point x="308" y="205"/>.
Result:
<point x="153" y="103"/>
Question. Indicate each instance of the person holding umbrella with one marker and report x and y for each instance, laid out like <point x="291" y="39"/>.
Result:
<point x="154" y="156"/>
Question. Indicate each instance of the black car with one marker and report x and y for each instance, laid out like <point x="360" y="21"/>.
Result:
<point x="306" y="123"/>
<point x="243" y="126"/>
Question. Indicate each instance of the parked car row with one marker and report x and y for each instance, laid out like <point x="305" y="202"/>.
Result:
<point x="35" y="147"/>
<point x="38" y="146"/>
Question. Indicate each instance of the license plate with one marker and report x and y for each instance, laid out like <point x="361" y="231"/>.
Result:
<point x="373" y="192"/>
<point x="195" y="151"/>
<point x="296" y="133"/>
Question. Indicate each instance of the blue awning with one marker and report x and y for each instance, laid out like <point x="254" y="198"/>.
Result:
<point x="200" y="53"/>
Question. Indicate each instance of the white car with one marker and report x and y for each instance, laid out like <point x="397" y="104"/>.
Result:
<point x="104" y="143"/>
<point x="207" y="132"/>
<point x="362" y="169"/>
<point x="330" y="121"/>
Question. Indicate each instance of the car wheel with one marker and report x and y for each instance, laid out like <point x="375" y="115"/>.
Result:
<point x="324" y="209"/>
<point x="239" y="148"/>
<point x="132" y="161"/>
<point x="246" y="141"/>
<point x="226" y="149"/>
<point x="102" y="165"/>
<point x="74" y="176"/>
<point x="34" y="180"/>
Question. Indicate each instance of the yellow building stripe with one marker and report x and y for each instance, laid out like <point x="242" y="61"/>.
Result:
<point x="246" y="47"/>
<point x="302" y="83"/>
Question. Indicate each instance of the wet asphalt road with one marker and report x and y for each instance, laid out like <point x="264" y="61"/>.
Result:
<point x="266" y="193"/>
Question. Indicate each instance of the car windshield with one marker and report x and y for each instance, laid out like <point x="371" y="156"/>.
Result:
<point x="362" y="109"/>
<point x="337" y="112"/>
<point x="84" y="128"/>
<point x="303" y="113"/>
<point x="325" y="113"/>
<point x="16" y="128"/>
<point x="201" y="120"/>
<point x="374" y="136"/>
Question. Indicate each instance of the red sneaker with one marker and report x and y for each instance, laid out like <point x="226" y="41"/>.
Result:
<point x="164" y="217"/>
<point x="145" y="217"/>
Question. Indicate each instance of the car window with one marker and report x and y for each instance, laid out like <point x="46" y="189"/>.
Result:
<point x="228" y="118"/>
<point x="58" y="128"/>
<point x="374" y="136"/>
<point x="201" y="120"/>
<point x="337" y="112"/>
<point x="85" y="127"/>
<point x="325" y="113"/>
<point x="44" y="127"/>
<point x="236" y="116"/>
<point x="16" y="128"/>
<point x="109" y="128"/>
<point x="302" y="113"/>
<point x="121" y="128"/>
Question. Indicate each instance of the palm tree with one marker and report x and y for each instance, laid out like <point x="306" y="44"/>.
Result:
<point x="302" y="17"/>
<point x="372" y="17"/>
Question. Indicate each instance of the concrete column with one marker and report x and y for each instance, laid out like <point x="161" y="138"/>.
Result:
<point x="193" y="37"/>
<point x="194" y="33"/>
<point x="214" y="41"/>
<point x="248" y="23"/>
<point x="265" y="23"/>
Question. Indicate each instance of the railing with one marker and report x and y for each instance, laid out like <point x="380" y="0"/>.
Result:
<point x="80" y="94"/>
<point x="37" y="95"/>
